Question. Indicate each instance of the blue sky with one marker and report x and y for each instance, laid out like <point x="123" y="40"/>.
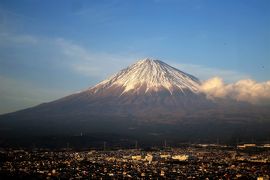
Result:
<point x="49" y="49"/>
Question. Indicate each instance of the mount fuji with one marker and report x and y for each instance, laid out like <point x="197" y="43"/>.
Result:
<point x="148" y="88"/>
<point x="149" y="100"/>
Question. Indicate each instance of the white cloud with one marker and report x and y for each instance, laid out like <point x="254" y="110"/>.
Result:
<point x="87" y="70"/>
<point x="246" y="90"/>
<point x="72" y="56"/>
<point x="214" y="87"/>
<point x="204" y="73"/>
<point x="93" y="64"/>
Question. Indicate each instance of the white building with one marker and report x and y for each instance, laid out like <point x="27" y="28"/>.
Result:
<point x="180" y="157"/>
<point x="137" y="157"/>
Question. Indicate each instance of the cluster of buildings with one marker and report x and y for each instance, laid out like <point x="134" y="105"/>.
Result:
<point x="173" y="163"/>
<point x="244" y="146"/>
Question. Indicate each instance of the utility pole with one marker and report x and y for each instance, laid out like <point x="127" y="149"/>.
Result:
<point x="104" y="145"/>
<point x="136" y="144"/>
<point x="165" y="144"/>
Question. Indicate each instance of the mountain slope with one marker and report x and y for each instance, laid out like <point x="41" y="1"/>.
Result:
<point x="146" y="98"/>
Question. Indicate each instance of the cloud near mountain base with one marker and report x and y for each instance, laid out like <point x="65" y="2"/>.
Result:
<point x="246" y="90"/>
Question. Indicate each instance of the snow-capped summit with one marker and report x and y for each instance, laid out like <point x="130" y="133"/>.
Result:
<point x="149" y="75"/>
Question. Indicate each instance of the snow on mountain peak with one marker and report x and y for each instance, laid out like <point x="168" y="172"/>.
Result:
<point x="151" y="75"/>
